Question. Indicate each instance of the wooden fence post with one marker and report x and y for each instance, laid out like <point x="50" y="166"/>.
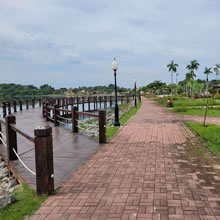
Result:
<point x="93" y="103"/>
<point x="4" y="109"/>
<point x="77" y="102"/>
<point x="11" y="137"/>
<point x="89" y="104"/>
<point x="9" y="108"/>
<point x="43" y="105"/>
<point x="15" y="106"/>
<point x="55" y="113"/>
<point x="26" y="103"/>
<point x="46" y="112"/>
<point x="20" y="105"/>
<point x="44" y="160"/>
<point x="102" y="126"/>
<point x="83" y="106"/>
<point x="0" y="133"/>
<point x="39" y="102"/>
<point x="110" y="101"/>
<point x="100" y="102"/>
<point x="74" y="119"/>
<point x="105" y="101"/>
<point x="33" y="103"/>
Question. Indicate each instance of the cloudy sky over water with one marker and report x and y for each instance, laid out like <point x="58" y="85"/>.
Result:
<point x="71" y="43"/>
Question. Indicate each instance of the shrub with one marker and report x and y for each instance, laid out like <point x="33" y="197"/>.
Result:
<point x="179" y="109"/>
<point x="217" y="96"/>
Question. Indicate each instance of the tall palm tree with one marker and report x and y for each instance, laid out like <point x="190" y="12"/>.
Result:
<point x="207" y="71"/>
<point x="188" y="78"/>
<point x="194" y="65"/>
<point x="172" y="67"/>
<point x="217" y="70"/>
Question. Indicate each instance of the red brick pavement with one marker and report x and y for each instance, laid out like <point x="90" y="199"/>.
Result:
<point x="199" y="119"/>
<point x="144" y="173"/>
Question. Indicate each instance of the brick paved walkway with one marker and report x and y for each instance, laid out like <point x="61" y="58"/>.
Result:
<point x="146" y="172"/>
<point x="199" y="119"/>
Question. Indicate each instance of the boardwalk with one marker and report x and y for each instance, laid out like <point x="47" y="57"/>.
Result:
<point x="70" y="150"/>
<point x="147" y="172"/>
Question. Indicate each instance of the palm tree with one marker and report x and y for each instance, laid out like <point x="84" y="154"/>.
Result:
<point x="172" y="67"/>
<point x="194" y="65"/>
<point x="217" y="70"/>
<point x="207" y="71"/>
<point x="188" y="78"/>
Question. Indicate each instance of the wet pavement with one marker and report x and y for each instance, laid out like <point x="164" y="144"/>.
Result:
<point x="154" y="168"/>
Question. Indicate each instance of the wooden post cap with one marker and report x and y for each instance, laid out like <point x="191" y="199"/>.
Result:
<point x="10" y="118"/>
<point x="43" y="131"/>
<point x="102" y="111"/>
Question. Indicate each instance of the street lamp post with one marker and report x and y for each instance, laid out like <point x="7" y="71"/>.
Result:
<point x="115" y="68"/>
<point x="135" y="94"/>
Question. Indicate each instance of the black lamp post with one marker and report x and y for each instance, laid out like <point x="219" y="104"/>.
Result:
<point x="115" y="68"/>
<point x="135" y="94"/>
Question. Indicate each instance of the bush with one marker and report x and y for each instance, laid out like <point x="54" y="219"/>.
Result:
<point x="217" y="96"/>
<point x="179" y="109"/>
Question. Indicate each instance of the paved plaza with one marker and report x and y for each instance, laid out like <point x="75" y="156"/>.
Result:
<point x="150" y="170"/>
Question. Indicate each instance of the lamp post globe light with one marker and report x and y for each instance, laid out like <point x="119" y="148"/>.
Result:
<point x="115" y="68"/>
<point x="135" y="94"/>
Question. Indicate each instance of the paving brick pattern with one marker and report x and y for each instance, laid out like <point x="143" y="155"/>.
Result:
<point x="145" y="173"/>
<point x="199" y="119"/>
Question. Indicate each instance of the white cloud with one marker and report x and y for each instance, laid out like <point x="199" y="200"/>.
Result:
<point x="83" y="36"/>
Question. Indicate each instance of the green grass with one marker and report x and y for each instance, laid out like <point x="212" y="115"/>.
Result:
<point x="26" y="203"/>
<point x="212" y="112"/>
<point x="179" y="101"/>
<point x="196" y="102"/>
<point x="210" y="134"/>
<point x="123" y="119"/>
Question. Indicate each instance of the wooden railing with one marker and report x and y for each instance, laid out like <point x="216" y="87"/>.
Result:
<point x="7" y="107"/>
<point x="43" y="145"/>
<point x="74" y="117"/>
<point x="94" y="102"/>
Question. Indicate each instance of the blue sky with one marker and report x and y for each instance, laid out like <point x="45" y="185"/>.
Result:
<point x="72" y="43"/>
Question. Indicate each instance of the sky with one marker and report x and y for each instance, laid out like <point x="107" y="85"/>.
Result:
<point x="72" y="43"/>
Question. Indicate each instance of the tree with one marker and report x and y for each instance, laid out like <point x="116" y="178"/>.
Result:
<point x="194" y="65"/>
<point x="188" y="79"/>
<point x="46" y="89"/>
<point x="172" y="67"/>
<point x="217" y="70"/>
<point x="207" y="71"/>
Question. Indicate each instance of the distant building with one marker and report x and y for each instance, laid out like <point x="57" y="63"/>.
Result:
<point x="217" y="88"/>
<point x="82" y="92"/>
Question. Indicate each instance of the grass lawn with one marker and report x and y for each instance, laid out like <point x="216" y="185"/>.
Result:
<point x="210" y="134"/>
<point x="123" y="119"/>
<point x="180" y="101"/>
<point x="190" y="102"/>
<point x="26" y="203"/>
<point x="212" y="112"/>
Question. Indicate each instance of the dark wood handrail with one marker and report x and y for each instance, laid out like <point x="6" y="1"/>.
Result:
<point x="50" y="107"/>
<point x="63" y="110"/>
<point x="2" y="122"/>
<point x="87" y="114"/>
<point x="13" y="127"/>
